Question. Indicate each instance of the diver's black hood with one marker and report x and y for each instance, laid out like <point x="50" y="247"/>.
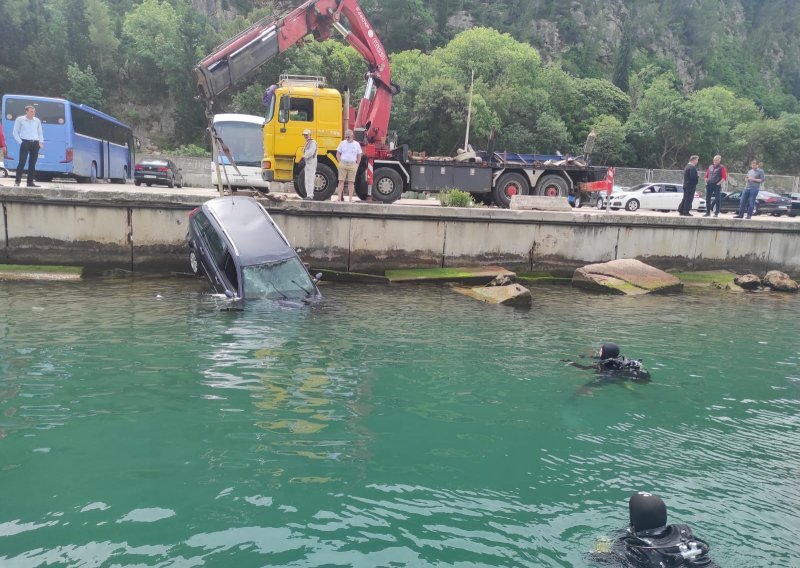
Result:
<point x="609" y="351"/>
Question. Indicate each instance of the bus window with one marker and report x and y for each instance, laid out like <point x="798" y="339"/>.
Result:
<point x="49" y="112"/>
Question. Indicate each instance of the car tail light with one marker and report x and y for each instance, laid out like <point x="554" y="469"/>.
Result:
<point x="771" y="199"/>
<point x="138" y="168"/>
<point x="163" y="169"/>
<point x="68" y="156"/>
<point x="193" y="211"/>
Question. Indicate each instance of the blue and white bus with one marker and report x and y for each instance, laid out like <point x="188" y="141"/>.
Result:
<point x="79" y="141"/>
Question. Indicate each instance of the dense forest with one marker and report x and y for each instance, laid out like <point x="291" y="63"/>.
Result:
<point x="656" y="80"/>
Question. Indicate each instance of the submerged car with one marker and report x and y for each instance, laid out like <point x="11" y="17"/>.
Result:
<point x="160" y="171"/>
<point x="243" y="253"/>
<point x="766" y="202"/>
<point x="658" y="196"/>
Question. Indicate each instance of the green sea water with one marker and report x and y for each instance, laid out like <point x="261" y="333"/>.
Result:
<point x="388" y="426"/>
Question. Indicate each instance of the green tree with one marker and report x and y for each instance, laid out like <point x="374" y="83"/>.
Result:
<point x="102" y="35"/>
<point x="657" y="127"/>
<point x="610" y="147"/>
<point x="622" y="65"/>
<point x="83" y="86"/>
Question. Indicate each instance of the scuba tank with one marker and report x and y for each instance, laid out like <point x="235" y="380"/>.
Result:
<point x="674" y="547"/>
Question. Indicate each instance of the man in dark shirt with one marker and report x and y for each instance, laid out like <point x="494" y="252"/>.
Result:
<point x="690" y="179"/>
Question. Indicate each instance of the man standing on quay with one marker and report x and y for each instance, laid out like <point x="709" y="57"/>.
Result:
<point x="754" y="180"/>
<point x="28" y="133"/>
<point x="715" y="175"/>
<point x="348" y="154"/>
<point x="690" y="179"/>
<point x="310" y="167"/>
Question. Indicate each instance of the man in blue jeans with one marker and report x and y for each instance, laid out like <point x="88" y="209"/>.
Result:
<point x="754" y="181"/>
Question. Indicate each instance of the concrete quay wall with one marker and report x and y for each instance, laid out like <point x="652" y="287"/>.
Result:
<point x="145" y="230"/>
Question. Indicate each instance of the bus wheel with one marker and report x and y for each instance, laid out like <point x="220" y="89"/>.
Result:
<point x="507" y="186"/>
<point x="93" y="174"/>
<point x="387" y="185"/>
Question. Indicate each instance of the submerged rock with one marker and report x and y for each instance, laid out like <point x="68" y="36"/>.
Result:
<point x="748" y="281"/>
<point x="507" y="295"/>
<point x="780" y="281"/>
<point x="625" y="276"/>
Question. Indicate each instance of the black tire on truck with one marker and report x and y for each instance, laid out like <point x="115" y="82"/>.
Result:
<point x="361" y="185"/>
<point x="387" y="185"/>
<point x="507" y="185"/>
<point x="325" y="182"/>
<point x="552" y="186"/>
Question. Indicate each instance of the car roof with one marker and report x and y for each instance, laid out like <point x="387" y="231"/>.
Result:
<point x="254" y="234"/>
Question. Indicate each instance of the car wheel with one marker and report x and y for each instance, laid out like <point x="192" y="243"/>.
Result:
<point x="149" y="184"/>
<point x="171" y="182"/>
<point x="387" y="185"/>
<point x="194" y="263"/>
<point x="137" y="182"/>
<point x="3" y="172"/>
<point x="507" y="186"/>
<point x="552" y="186"/>
<point x="600" y="203"/>
<point x="632" y="205"/>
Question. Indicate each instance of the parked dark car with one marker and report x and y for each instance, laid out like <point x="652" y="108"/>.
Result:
<point x="794" y="209"/>
<point x="766" y="202"/>
<point x="161" y="172"/>
<point x="237" y="245"/>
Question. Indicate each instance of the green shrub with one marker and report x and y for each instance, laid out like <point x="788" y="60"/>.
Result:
<point x="192" y="150"/>
<point x="455" y="198"/>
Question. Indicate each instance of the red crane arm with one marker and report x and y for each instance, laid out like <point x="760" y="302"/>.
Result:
<point x="265" y="39"/>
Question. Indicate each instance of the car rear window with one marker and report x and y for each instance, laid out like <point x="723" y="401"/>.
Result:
<point x="49" y="112"/>
<point x="154" y="163"/>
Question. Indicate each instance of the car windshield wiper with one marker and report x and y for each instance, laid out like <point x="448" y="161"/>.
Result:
<point x="303" y="288"/>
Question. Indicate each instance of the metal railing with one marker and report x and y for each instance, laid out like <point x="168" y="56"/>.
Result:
<point x="628" y="177"/>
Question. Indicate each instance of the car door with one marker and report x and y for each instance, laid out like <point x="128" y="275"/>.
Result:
<point x="649" y="197"/>
<point x="671" y="197"/>
<point x="212" y="253"/>
<point x="730" y="201"/>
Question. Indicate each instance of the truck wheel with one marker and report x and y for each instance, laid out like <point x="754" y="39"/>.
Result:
<point x="324" y="183"/>
<point x="507" y="186"/>
<point x="387" y="185"/>
<point x="361" y="186"/>
<point x="552" y="186"/>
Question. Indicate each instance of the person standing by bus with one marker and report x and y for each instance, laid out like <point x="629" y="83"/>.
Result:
<point x="348" y="154"/>
<point x="28" y="133"/>
<point x="310" y="164"/>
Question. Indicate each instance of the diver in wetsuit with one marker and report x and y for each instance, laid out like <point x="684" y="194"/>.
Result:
<point x="613" y="367"/>
<point x="649" y="542"/>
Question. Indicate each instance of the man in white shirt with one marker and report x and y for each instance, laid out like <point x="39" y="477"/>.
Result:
<point x="310" y="161"/>
<point x="348" y="155"/>
<point x="28" y="133"/>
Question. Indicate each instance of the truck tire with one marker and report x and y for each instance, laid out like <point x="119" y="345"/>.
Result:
<point x="387" y="185"/>
<point x="552" y="186"/>
<point x="361" y="186"/>
<point x="324" y="181"/>
<point x="508" y="185"/>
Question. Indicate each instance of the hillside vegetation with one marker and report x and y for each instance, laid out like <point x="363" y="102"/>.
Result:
<point x="656" y="80"/>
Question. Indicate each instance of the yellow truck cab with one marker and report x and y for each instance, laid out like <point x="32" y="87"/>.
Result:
<point x="297" y="103"/>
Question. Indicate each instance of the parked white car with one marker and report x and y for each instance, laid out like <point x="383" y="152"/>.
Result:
<point x="658" y="196"/>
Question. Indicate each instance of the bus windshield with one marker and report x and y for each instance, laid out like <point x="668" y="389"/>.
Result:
<point x="49" y="112"/>
<point x="245" y="141"/>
